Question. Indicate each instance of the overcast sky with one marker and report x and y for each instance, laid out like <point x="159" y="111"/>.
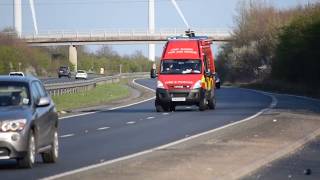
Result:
<point x="85" y="15"/>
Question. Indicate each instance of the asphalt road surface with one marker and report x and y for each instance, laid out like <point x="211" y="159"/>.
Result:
<point x="106" y="135"/>
<point x="53" y="80"/>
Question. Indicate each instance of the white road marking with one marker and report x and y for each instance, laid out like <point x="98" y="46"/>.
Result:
<point x="296" y="96"/>
<point x="76" y="115"/>
<point x="119" y="107"/>
<point x="165" y="113"/>
<point x="131" y="122"/>
<point x="134" y="81"/>
<point x="66" y="135"/>
<point x="272" y="105"/>
<point x="151" y="117"/>
<point x="103" y="128"/>
<point x="86" y="131"/>
<point x="274" y="120"/>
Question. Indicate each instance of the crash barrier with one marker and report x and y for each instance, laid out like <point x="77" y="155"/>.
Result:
<point x="58" y="89"/>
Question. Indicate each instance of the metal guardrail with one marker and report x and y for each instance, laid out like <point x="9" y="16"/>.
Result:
<point x="57" y="89"/>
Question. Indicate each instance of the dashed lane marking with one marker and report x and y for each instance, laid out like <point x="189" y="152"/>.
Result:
<point x="103" y="128"/>
<point x="131" y="122"/>
<point x="66" y="135"/>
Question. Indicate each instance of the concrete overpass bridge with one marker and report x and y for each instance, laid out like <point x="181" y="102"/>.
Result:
<point x="120" y="36"/>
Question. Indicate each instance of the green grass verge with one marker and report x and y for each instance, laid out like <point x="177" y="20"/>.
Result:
<point x="97" y="96"/>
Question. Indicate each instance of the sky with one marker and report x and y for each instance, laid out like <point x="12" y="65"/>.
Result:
<point x="87" y="15"/>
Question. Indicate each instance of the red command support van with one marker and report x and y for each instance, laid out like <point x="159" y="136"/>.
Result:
<point x="186" y="74"/>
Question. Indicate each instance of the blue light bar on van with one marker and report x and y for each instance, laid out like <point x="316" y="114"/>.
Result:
<point x="186" y="37"/>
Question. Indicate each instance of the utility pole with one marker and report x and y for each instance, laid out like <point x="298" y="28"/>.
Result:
<point x="120" y="70"/>
<point x="152" y="47"/>
<point x="17" y="17"/>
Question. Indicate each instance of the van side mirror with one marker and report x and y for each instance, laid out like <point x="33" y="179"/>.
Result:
<point x="208" y="73"/>
<point x="217" y="80"/>
<point x="153" y="73"/>
<point x="218" y="84"/>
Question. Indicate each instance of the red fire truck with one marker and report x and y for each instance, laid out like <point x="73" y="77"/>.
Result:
<point x="187" y="74"/>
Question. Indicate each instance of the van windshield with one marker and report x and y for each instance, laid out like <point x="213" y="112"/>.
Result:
<point x="181" y="66"/>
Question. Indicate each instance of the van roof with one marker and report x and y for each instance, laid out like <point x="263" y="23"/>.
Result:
<point x="182" y="49"/>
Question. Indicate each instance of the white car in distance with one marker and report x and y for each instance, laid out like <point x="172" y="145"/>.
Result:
<point x="16" y="74"/>
<point x="81" y="74"/>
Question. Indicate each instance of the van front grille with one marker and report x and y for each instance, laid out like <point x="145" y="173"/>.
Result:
<point x="179" y="94"/>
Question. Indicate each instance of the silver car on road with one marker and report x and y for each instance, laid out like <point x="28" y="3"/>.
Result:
<point x="28" y="121"/>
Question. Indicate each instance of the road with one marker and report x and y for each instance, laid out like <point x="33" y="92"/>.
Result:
<point x="54" y="80"/>
<point x="106" y="135"/>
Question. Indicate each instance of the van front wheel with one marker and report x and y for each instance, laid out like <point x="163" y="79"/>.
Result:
<point x="159" y="107"/>
<point x="212" y="103"/>
<point x="203" y="104"/>
<point x="172" y="107"/>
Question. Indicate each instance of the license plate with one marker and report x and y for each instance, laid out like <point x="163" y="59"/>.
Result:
<point x="178" y="99"/>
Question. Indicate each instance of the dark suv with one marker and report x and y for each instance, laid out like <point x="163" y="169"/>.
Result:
<point x="28" y="121"/>
<point x="64" y="71"/>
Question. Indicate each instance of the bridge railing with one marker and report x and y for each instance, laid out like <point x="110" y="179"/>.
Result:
<point x="165" y="32"/>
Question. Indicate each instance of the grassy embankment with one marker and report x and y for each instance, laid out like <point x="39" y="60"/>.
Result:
<point x="97" y="96"/>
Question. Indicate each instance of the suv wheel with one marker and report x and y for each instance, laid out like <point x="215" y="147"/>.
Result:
<point x="52" y="155"/>
<point x="28" y="160"/>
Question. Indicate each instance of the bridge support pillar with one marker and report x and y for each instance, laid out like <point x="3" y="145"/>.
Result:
<point x="73" y="57"/>
<point x="17" y="16"/>
<point x="152" y="52"/>
<point x="151" y="17"/>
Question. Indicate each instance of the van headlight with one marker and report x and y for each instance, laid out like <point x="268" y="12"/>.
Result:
<point x="160" y="84"/>
<point x="13" y="125"/>
<point x="197" y="85"/>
